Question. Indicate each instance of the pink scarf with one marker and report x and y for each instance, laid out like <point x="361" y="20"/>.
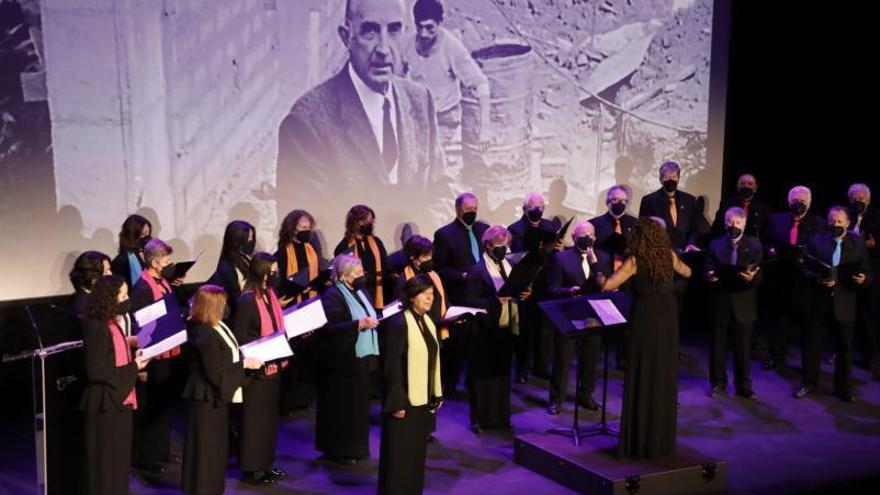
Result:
<point x="266" y="323"/>
<point x="157" y="294"/>
<point x="123" y="357"/>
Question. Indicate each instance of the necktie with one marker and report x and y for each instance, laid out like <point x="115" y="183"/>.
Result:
<point x="502" y="271"/>
<point x="585" y="265"/>
<point x="475" y="248"/>
<point x="857" y="229"/>
<point x="733" y="254"/>
<point x="673" y="212"/>
<point x="618" y="260"/>
<point x="793" y="234"/>
<point x="389" y="140"/>
<point x="835" y="256"/>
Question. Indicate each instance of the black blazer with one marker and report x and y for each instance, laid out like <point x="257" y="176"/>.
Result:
<point x="393" y="349"/>
<point x="604" y="225"/>
<point x="225" y="276"/>
<point x="870" y="225"/>
<point x="740" y="297"/>
<point x="336" y="340"/>
<point x="758" y="216"/>
<point x="79" y="303"/>
<point x="287" y="287"/>
<point x="479" y="292"/>
<point x="777" y="230"/>
<point x="108" y="384"/>
<point x="843" y="294"/>
<point x="565" y="270"/>
<point x="120" y="267"/>
<point x="141" y="296"/>
<point x="452" y="255"/>
<point x="685" y="231"/>
<point x="519" y="229"/>
<point x="212" y="376"/>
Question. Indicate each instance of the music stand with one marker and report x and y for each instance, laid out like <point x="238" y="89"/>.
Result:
<point x="576" y="318"/>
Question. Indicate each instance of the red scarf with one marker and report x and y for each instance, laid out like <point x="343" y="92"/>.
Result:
<point x="123" y="357"/>
<point x="157" y="294"/>
<point x="266" y="327"/>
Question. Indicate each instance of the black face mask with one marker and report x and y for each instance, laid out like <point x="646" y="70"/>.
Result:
<point x="366" y="229"/>
<point x="497" y="253"/>
<point x="745" y="193"/>
<point x="617" y="209"/>
<point x="123" y="307"/>
<point x="273" y="280"/>
<point x="670" y="185"/>
<point x="426" y="266"/>
<point x="734" y="232"/>
<point x="248" y="247"/>
<point x="142" y="242"/>
<point x="360" y="283"/>
<point x="837" y="231"/>
<point x="469" y="218"/>
<point x="534" y="215"/>
<point x="168" y="271"/>
<point x="584" y="243"/>
<point x="798" y="208"/>
<point x="304" y="235"/>
<point x="226" y="312"/>
<point x="857" y="208"/>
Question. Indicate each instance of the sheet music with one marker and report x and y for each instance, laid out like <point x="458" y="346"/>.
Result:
<point x="391" y="309"/>
<point x="164" y="346"/>
<point x="269" y="348"/>
<point x="305" y="318"/>
<point x="607" y="311"/>
<point x="455" y="311"/>
<point x="151" y="313"/>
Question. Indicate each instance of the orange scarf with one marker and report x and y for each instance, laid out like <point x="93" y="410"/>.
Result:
<point x="409" y="273"/>
<point x="378" y="298"/>
<point x="293" y="267"/>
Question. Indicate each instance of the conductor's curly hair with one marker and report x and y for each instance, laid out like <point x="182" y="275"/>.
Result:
<point x="104" y="297"/>
<point x="651" y="247"/>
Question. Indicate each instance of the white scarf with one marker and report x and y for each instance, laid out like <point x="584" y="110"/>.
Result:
<point x="509" y="317"/>
<point x="228" y="337"/>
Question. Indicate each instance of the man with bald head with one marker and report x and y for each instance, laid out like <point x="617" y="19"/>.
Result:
<point x="578" y="270"/>
<point x="364" y="135"/>
<point x="757" y="211"/>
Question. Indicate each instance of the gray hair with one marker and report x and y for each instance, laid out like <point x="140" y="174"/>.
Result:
<point x="858" y="187"/>
<point x="465" y="196"/>
<point x="803" y="190"/>
<point x="342" y="265"/>
<point x="735" y="211"/>
<point x="616" y="187"/>
<point x="670" y="166"/>
<point x="532" y="195"/>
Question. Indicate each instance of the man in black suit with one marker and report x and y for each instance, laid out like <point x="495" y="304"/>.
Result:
<point x="615" y="221"/>
<point x="677" y="208"/>
<point x="833" y="306"/>
<point x="457" y="248"/>
<point x="784" y="237"/>
<point x="757" y="210"/>
<point x="580" y="269"/>
<point x="866" y="225"/>
<point x="733" y="271"/>
<point x="534" y="233"/>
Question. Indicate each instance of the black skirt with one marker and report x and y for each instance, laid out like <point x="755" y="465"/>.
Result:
<point x="342" y="425"/>
<point x="259" y="424"/>
<point x="402" y="452"/>
<point x="205" y="448"/>
<point x="108" y="451"/>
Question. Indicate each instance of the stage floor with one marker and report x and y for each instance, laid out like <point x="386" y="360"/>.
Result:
<point x="774" y="445"/>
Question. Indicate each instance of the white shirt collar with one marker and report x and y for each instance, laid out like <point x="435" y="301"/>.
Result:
<point x="373" y="104"/>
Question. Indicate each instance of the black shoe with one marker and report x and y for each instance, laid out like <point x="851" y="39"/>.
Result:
<point x="801" y="391"/>
<point x="770" y="364"/>
<point x="476" y="429"/>
<point x="278" y="473"/>
<point x="847" y="397"/>
<point x="747" y="394"/>
<point x="259" y="478"/>
<point x="717" y="391"/>
<point x="150" y="468"/>
<point x="589" y="404"/>
<point x="553" y="410"/>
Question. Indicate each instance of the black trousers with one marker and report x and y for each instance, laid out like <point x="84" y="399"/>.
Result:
<point x="452" y="359"/>
<point x="790" y="302"/>
<point x="823" y="322"/>
<point x="535" y="341"/>
<point x="587" y="350"/>
<point x="725" y="327"/>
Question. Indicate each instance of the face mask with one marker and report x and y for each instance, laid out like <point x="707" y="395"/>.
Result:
<point x="617" y="209"/>
<point x="168" y="271"/>
<point x="670" y="185"/>
<point x="469" y="218"/>
<point x="359" y="283"/>
<point x="584" y="243"/>
<point x="304" y="235"/>
<point x="366" y="229"/>
<point x="273" y="281"/>
<point x="123" y="307"/>
<point x="745" y="193"/>
<point x="248" y="247"/>
<point x="143" y="242"/>
<point x="857" y="207"/>
<point x="426" y="266"/>
<point x="226" y="313"/>
<point x="535" y="214"/>
<point x="497" y="253"/>
<point x="837" y="231"/>
<point x="798" y="208"/>
<point x="734" y="232"/>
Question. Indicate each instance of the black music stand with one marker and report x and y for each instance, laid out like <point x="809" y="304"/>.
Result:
<point x="575" y="318"/>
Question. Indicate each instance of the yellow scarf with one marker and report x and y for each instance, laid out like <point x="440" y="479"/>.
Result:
<point x="417" y="361"/>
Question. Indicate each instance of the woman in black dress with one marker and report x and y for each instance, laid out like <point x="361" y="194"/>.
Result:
<point x="650" y="388"/>
<point x="216" y="380"/>
<point x="347" y="348"/>
<point x="258" y="314"/>
<point x="490" y="337"/>
<point x="360" y="242"/>
<point x="239" y="240"/>
<point x="109" y="397"/>
<point x="411" y="370"/>
<point x="133" y="236"/>
<point x="87" y="269"/>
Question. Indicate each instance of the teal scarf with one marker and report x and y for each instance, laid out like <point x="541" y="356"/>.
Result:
<point x="366" y="344"/>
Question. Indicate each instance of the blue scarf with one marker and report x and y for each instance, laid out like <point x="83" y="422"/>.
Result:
<point x="366" y="344"/>
<point x="134" y="268"/>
